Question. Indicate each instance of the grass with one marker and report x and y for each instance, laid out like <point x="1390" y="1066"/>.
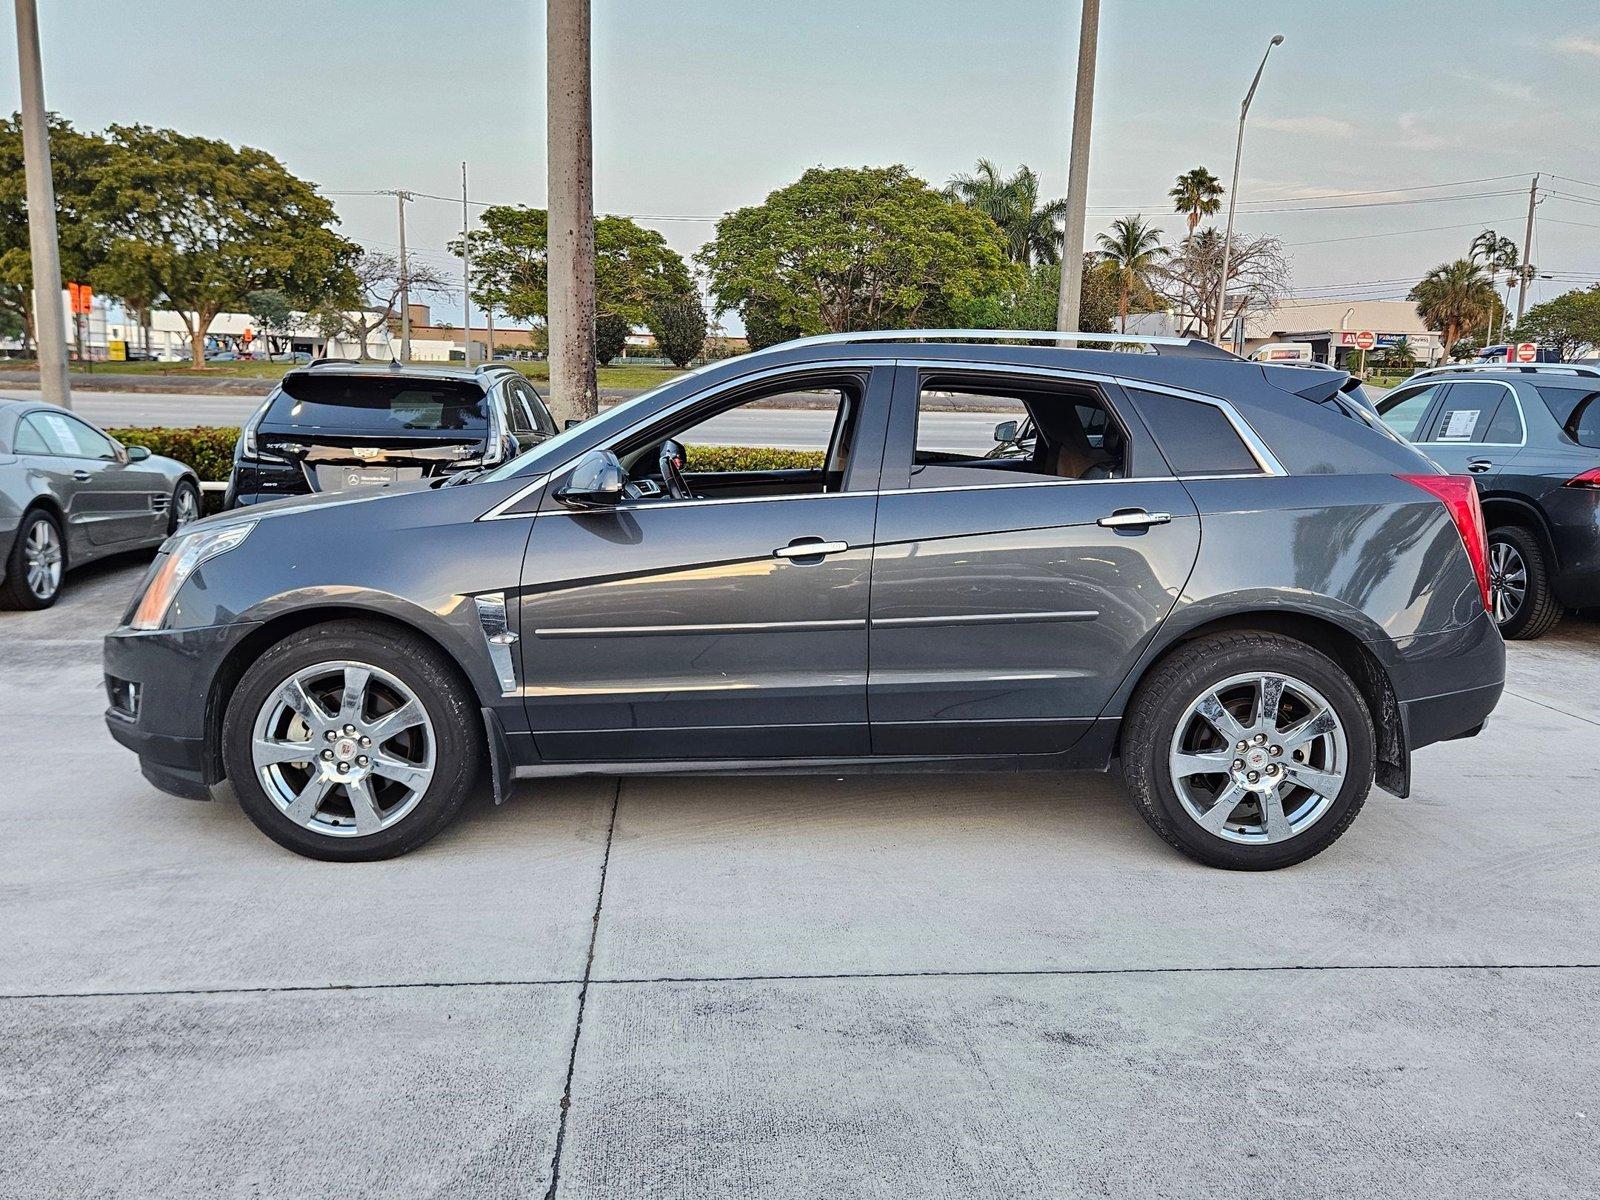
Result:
<point x="539" y="372"/>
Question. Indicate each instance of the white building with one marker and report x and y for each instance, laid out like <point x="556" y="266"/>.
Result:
<point x="168" y="338"/>
<point x="1332" y="327"/>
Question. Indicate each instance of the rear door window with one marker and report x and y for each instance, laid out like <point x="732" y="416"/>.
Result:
<point x="1468" y="416"/>
<point x="1196" y="438"/>
<point x="1403" y="409"/>
<point x="365" y="405"/>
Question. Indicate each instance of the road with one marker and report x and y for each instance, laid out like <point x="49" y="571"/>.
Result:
<point x="849" y="987"/>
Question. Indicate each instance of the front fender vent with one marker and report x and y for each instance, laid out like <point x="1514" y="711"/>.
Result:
<point x="498" y="638"/>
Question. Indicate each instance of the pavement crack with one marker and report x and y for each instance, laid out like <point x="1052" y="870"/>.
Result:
<point x="1553" y="708"/>
<point x="583" y="997"/>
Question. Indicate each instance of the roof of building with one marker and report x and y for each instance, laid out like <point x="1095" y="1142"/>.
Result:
<point x="1322" y="316"/>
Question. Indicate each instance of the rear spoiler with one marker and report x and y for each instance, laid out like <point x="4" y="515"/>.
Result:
<point x="1317" y="382"/>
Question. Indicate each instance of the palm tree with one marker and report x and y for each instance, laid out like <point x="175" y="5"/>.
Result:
<point x="1013" y="204"/>
<point x="1453" y="298"/>
<point x="1134" y="248"/>
<point x="1197" y="193"/>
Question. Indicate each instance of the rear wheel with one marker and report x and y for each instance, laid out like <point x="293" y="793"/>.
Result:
<point x="352" y="742"/>
<point x="1519" y="584"/>
<point x="1249" y="751"/>
<point x="36" y="564"/>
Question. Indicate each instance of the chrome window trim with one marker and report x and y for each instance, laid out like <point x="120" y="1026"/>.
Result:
<point x="1522" y="419"/>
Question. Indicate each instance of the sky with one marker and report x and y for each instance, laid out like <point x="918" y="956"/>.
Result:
<point x="1383" y="138"/>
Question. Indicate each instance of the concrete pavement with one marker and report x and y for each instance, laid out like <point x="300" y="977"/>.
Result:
<point x="890" y="986"/>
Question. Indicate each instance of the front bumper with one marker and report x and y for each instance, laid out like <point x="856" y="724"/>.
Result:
<point x="163" y="705"/>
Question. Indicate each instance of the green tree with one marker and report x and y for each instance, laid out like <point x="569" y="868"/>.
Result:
<point x="680" y="329"/>
<point x="844" y="249"/>
<point x="200" y="225"/>
<point x="271" y="310"/>
<point x="1134" y="249"/>
<point x="1013" y="205"/>
<point x="1196" y="194"/>
<point x="1565" y="324"/>
<point x="610" y="336"/>
<point x="634" y="267"/>
<point x="1032" y="304"/>
<point x="1399" y="356"/>
<point x="1454" y="298"/>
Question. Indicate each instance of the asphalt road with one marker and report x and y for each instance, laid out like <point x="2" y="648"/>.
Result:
<point x="886" y="987"/>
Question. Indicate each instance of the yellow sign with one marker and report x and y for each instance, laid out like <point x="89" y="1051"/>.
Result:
<point x="117" y="351"/>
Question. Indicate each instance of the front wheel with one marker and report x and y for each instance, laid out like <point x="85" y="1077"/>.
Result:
<point x="351" y="742"/>
<point x="1249" y="751"/>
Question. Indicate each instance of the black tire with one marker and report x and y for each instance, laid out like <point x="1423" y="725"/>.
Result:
<point x="1164" y="697"/>
<point x="451" y="708"/>
<point x="1539" y="611"/>
<point x="186" y="487"/>
<point x="15" y="593"/>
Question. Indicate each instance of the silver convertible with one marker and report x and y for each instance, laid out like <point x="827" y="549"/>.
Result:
<point x="71" y="493"/>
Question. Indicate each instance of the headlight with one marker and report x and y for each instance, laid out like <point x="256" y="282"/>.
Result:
<point x="182" y="557"/>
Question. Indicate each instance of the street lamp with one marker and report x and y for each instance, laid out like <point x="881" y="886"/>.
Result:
<point x="1233" y="194"/>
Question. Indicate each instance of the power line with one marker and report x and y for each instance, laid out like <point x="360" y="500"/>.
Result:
<point x="1362" y="237"/>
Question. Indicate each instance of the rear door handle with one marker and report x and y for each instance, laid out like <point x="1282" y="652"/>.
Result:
<point x="81" y="475"/>
<point x="1479" y="465"/>
<point x="1134" y="518"/>
<point x="809" y="548"/>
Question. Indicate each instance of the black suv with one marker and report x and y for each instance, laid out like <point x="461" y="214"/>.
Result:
<point x="1231" y="577"/>
<point x="1530" y="436"/>
<point x="338" y="426"/>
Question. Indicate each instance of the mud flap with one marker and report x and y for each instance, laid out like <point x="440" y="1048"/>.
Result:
<point x="499" y="756"/>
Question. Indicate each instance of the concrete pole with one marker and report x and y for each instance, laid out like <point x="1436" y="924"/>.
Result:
<point x="405" y="282"/>
<point x="1527" y="251"/>
<point x="466" y="275"/>
<point x="1217" y="332"/>
<point x="49" y="323"/>
<point x="570" y="157"/>
<point x="1071" y="298"/>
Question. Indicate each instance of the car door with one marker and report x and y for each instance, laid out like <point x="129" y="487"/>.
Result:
<point x="1010" y="596"/>
<point x="128" y="500"/>
<point x="728" y="627"/>
<point x="42" y="449"/>
<point x="1475" y="429"/>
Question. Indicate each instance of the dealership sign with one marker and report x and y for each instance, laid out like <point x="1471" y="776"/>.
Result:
<point x="1366" y="339"/>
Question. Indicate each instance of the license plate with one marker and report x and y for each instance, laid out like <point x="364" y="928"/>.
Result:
<point x="367" y="476"/>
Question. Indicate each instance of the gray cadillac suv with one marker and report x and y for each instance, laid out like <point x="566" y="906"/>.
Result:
<point x="1229" y="576"/>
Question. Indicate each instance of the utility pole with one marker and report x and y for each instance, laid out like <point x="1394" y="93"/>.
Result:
<point x="570" y="139"/>
<point x="466" y="275"/>
<point x="1071" y="298"/>
<point x="1527" y="251"/>
<point x="400" y="198"/>
<point x="49" y="325"/>
<point x="1233" y="196"/>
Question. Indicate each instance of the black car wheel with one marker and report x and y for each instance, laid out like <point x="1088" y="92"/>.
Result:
<point x="36" y="564"/>
<point x="352" y="741"/>
<point x="1249" y="751"/>
<point x="1519" y="584"/>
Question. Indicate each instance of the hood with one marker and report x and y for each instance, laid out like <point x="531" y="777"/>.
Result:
<point x="291" y="505"/>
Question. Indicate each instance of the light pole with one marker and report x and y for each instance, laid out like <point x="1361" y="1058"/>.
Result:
<point x="1233" y="192"/>
<point x="49" y="325"/>
<point x="570" y="159"/>
<point x="1071" y="297"/>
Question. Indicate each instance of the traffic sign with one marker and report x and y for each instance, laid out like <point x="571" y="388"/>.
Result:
<point x="1527" y="351"/>
<point x="81" y="296"/>
<point x="1366" y="340"/>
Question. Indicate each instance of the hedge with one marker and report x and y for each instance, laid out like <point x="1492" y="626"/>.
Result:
<point x="209" y="450"/>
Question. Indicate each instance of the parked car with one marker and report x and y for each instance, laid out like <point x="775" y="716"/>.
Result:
<point x="1243" y="587"/>
<point x="334" y="426"/>
<point x="1530" y="436"/>
<point x="71" y="493"/>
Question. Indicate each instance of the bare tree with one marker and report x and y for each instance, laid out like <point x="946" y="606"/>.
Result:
<point x="1258" y="276"/>
<point x="378" y="294"/>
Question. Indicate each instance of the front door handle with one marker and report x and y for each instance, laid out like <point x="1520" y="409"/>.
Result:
<point x="809" y="548"/>
<point x="81" y="475"/>
<point x="1479" y="465"/>
<point x="1134" y="518"/>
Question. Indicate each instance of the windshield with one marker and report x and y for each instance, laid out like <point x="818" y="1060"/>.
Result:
<point x="362" y="404"/>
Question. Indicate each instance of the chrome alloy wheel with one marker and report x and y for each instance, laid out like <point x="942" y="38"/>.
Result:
<point x="1259" y="758"/>
<point x="41" y="553"/>
<point x="1508" y="581"/>
<point x="188" y="508"/>
<point x="343" y="749"/>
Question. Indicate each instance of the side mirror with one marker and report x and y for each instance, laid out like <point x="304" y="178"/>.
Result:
<point x="596" y="482"/>
<point x="1005" y="433"/>
<point x="138" y="453"/>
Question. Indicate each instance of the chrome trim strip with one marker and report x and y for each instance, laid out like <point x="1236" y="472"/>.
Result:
<point x="1259" y="450"/>
<point x="499" y="511"/>
<point x="600" y="631"/>
<point x="1012" y="618"/>
<point x="498" y="638"/>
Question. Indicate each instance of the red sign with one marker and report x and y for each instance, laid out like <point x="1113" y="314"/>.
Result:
<point x="81" y="296"/>
<point x="1527" y="351"/>
<point x="1366" y="340"/>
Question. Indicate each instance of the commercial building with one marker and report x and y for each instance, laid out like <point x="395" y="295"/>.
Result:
<point x="1333" y="328"/>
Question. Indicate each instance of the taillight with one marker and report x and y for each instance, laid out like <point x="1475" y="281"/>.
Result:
<point x="1459" y="494"/>
<point x="1589" y="479"/>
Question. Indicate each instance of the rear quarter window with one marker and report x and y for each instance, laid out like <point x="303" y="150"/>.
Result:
<point x="1194" y="437"/>
<point x="1577" y="411"/>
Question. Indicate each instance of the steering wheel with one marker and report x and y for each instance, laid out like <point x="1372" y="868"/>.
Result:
<point x="671" y="462"/>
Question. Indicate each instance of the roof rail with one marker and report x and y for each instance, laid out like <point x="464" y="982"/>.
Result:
<point x="1157" y="344"/>
<point x="1520" y="368"/>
